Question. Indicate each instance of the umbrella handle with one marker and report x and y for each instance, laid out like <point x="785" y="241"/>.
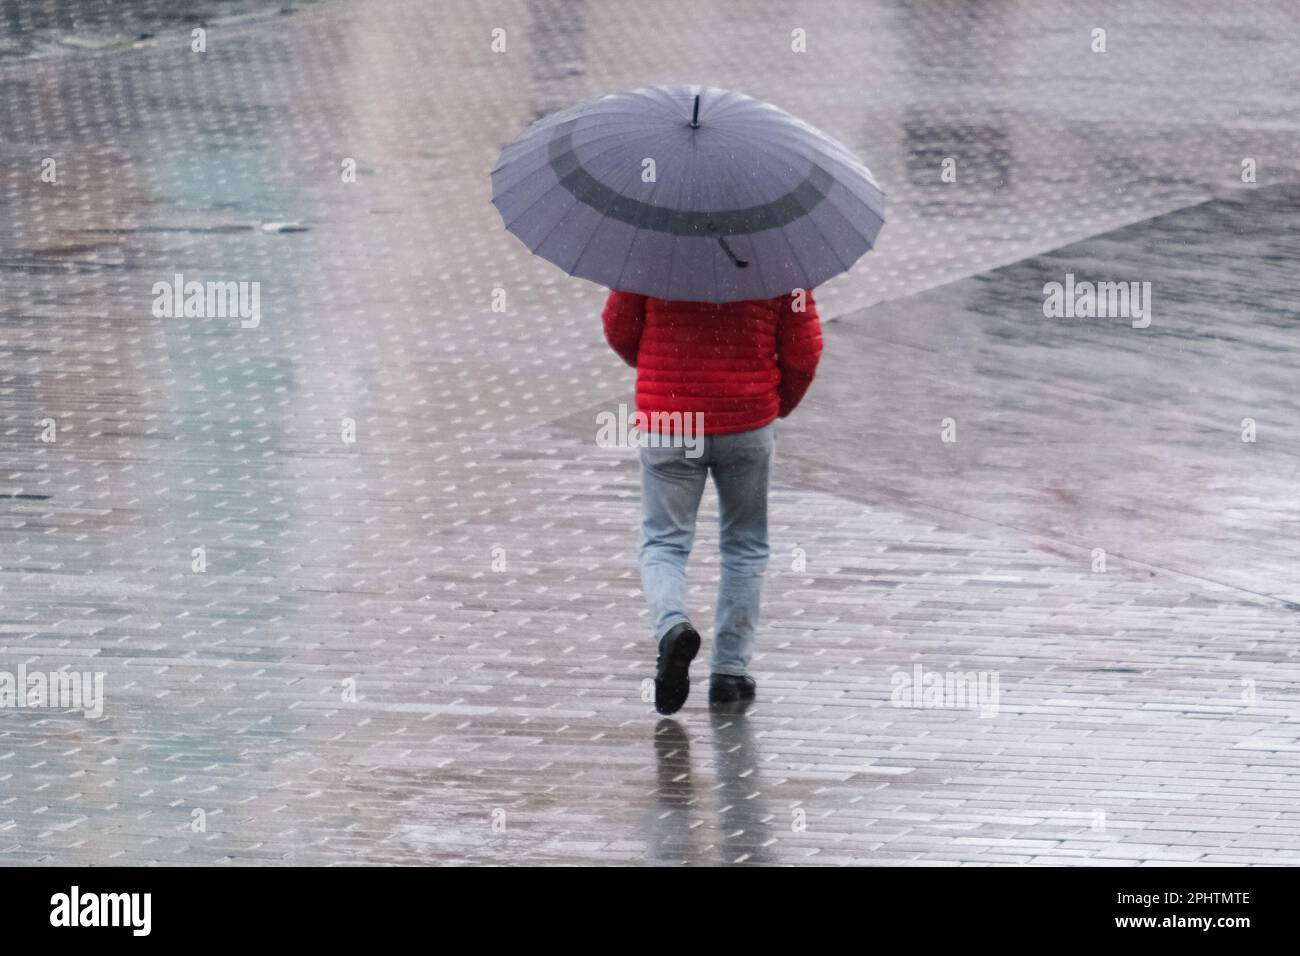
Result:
<point x="738" y="262"/>
<point x="695" y="116"/>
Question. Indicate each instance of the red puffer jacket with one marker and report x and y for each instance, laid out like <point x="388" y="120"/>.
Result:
<point x="742" y="364"/>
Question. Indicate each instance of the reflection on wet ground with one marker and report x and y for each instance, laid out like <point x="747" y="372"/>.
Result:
<point x="364" y="588"/>
<point x="1088" y="433"/>
<point x="725" y="819"/>
<point x="65" y="27"/>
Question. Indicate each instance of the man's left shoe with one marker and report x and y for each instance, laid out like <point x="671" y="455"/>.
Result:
<point x="677" y="649"/>
<point x="730" y="688"/>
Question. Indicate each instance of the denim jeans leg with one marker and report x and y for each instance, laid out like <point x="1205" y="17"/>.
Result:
<point x="671" y="487"/>
<point x="741" y="468"/>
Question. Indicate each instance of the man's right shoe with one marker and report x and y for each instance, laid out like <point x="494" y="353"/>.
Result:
<point x="677" y="649"/>
<point x="731" y="689"/>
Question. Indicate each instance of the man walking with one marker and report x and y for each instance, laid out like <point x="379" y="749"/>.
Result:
<point x="739" y="365"/>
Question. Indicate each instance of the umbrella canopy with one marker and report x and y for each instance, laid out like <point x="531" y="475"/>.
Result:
<point x="688" y="193"/>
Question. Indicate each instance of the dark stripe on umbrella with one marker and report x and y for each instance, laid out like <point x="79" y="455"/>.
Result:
<point x="588" y="189"/>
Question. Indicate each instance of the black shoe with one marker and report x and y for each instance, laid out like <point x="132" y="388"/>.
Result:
<point x="677" y="649"/>
<point x="730" y="689"/>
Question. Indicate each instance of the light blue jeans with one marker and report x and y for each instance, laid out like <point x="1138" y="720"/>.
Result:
<point x="671" y="487"/>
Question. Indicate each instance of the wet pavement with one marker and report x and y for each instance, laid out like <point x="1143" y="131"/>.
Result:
<point x="427" y="644"/>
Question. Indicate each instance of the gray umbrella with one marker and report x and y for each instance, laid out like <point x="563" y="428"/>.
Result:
<point x="688" y="193"/>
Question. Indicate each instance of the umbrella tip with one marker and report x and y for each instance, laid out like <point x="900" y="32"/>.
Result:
<point x="695" y="116"/>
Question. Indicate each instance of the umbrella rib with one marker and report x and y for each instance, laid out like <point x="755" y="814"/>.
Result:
<point x="844" y="266"/>
<point x="757" y="195"/>
<point x="545" y="144"/>
<point x="558" y="219"/>
<point x="761" y="147"/>
<point x="794" y="253"/>
<point x="729" y="103"/>
<point x="604" y="213"/>
<point x="533" y="132"/>
<point x="627" y="257"/>
<point x="529" y="207"/>
<point x="595" y="229"/>
<point x="823" y="144"/>
<point x="759" y="142"/>
<point x="672" y="247"/>
<point x="713" y="253"/>
<point x="846" y="181"/>
<point x="715" y="203"/>
<point x="853" y="175"/>
<point x="523" y="180"/>
<point x="807" y="214"/>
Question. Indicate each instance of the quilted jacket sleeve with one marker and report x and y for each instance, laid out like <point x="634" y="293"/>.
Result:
<point x="799" y="349"/>
<point x="624" y="318"/>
